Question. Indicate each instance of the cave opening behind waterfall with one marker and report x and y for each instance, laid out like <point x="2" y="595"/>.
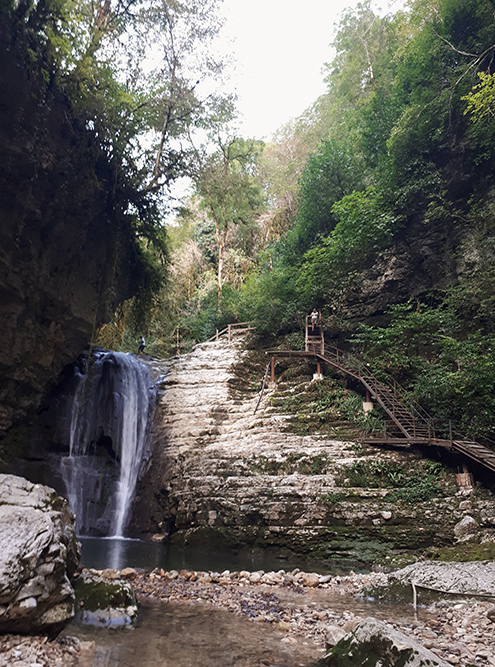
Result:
<point x="104" y="423"/>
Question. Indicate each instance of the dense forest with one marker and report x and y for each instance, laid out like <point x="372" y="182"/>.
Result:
<point x="375" y="206"/>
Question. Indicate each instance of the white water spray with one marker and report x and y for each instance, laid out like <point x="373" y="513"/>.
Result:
<point x="108" y="420"/>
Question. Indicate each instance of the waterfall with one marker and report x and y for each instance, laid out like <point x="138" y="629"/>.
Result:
<point x="107" y="430"/>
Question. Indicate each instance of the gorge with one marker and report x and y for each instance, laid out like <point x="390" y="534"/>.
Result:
<point x="374" y="208"/>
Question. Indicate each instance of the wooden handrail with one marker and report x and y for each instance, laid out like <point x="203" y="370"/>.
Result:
<point x="230" y="329"/>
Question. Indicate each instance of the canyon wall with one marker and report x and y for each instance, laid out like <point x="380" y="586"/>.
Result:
<point x="222" y="474"/>
<point x="64" y="260"/>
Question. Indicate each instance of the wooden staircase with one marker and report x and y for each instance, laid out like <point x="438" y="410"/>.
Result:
<point x="410" y="423"/>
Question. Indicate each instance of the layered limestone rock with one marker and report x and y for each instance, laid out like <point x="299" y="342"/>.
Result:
<point x="39" y="553"/>
<point x="221" y="473"/>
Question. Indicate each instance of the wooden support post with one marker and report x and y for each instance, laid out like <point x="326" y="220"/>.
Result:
<point x="228" y="333"/>
<point x="272" y="373"/>
<point x="216" y="338"/>
<point x="318" y="367"/>
<point x="368" y="398"/>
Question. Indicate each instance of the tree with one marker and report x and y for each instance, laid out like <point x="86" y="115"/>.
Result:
<point x="230" y="194"/>
<point x="140" y="74"/>
<point x="481" y="100"/>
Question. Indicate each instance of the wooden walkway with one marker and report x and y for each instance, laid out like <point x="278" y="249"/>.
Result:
<point x="408" y="423"/>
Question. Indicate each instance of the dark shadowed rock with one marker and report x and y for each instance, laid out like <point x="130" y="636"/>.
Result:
<point x="39" y="553"/>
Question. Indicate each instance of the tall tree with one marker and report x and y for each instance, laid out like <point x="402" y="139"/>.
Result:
<point x="230" y="193"/>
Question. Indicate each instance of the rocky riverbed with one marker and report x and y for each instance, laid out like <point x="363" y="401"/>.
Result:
<point x="304" y="606"/>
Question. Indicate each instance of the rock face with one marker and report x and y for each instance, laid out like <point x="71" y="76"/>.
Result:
<point x="222" y="474"/>
<point x="39" y="553"/>
<point x="65" y="261"/>
<point x="473" y="578"/>
<point x="374" y="643"/>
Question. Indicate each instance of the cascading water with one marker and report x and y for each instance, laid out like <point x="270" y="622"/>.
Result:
<point x="107" y="428"/>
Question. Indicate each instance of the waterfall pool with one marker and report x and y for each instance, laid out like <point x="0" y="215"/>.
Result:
<point x="117" y="552"/>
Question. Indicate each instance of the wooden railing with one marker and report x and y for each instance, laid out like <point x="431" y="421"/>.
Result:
<point x="230" y="329"/>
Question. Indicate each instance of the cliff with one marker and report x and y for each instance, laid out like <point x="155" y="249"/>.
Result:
<point x="223" y="475"/>
<point x="66" y="259"/>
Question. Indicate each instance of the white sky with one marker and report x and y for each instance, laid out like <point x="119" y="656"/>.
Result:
<point x="280" y="47"/>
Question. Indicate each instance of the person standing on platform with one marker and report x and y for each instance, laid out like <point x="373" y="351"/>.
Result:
<point x="314" y="318"/>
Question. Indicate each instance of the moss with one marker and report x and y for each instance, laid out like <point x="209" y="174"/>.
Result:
<point x="376" y="651"/>
<point x="467" y="551"/>
<point x="94" y="594"/>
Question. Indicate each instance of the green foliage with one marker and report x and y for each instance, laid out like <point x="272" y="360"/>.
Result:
<point x="331" y="173"/>
<point x="465" y="552"/>
<point x="269" y="297"/>
<point x="303" y="463"/>
<point x="481" y="100"/>
<point x="410" y="484"/>
<point x="329" y="270"/>
<point x="332" y="498"/>
<point x="447" y="367"/>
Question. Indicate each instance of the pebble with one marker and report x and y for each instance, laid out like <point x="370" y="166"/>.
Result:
<point x="460" y="633"/>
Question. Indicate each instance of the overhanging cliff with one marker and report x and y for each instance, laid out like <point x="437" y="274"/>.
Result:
<point x="66" y="258"/>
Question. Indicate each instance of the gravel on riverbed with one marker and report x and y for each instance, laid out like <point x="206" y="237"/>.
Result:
<point x="298" y="603"/>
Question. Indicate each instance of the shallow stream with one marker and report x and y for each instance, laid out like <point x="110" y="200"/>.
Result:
<point x="198" y="635"/>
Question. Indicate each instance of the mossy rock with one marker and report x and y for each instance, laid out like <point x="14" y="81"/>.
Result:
<point x="373" y="643"/>
<point x="464" y="552"/>
<point x="94" y="592"/>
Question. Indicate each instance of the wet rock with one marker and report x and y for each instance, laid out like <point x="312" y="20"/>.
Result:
<point x="39" y="553"/>
<point x="374" y="643"/>
<point x="105" y="602"/>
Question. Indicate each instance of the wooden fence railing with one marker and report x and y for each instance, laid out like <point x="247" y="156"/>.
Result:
<point x="230" y="329"/>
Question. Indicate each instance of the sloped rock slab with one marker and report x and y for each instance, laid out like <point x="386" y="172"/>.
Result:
<point x="475" y="578"/>
<point x="39" y="552"/>
<point x="374" y="643"/>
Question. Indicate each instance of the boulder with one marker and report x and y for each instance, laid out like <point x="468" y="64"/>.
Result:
<point x="39" y="553"/>
<point x="471" y="578"/>
<point x="466" y="528"/>
<point x="333" y="634"/>
<point x="104" y="601"/>
<point x="373" y="643"/>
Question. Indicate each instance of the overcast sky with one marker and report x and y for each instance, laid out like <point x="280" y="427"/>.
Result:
<point x="280" y="47"/>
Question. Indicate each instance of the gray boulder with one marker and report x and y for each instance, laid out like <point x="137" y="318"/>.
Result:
<point x="466" y="528"/>
<point x="39" y="553"/>
<point x="373" y="643"/>
<point x="471" y="578"/>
